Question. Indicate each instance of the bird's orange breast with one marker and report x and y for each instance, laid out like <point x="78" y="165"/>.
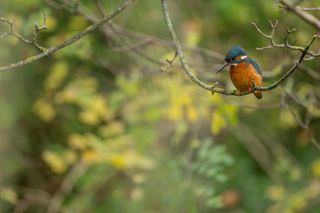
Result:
<point x="242" y="76"/>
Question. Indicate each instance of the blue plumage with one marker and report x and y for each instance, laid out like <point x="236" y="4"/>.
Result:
<point x="237" y="51"/>
<point x="234" y="52"/>
<point x="254" y="63"/>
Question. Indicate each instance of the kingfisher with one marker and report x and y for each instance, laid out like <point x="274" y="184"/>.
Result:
<point x="244" y="71"/>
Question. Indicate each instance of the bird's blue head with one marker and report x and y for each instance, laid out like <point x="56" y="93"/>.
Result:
<point x="234" y="52"/>
<point x="232" y="56"/>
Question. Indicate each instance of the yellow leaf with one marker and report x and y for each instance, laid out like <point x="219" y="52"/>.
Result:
<point x="44" y="110"/>
<point x="286" y="119"/>
<point x="57" y="74"/>
<point x="192" y="32"/>
<point x="68" y="95"/>
<point x="70" y="157"/>
<point x="193" y="38"/>
<point x="295" y="174"/>
<point x="77" y="141"/>
<point x="77" y="23"/>
<point x="315" y="168"/>
<point x="231" y="112"/>
<point x="217" y="123"/>
<point x="90" y="156"/>
<point x="276" y="192"/>
<point x="51" y="22"/>
<point x="297" y="202"/>
<point x="134" y="160"/>
<point x="175" y="113"/>
<point x="314" y="110"/>
<point x="184" y="99"/>
<point x="89" y="117"/>
<point x="54" y="161"/>
<point x="118" y="162"/>
<point x="8" y="195"/>
<point x="112" y="129"/>
<point x="192" y="114"/>
<point x="98" y="104"/>
<point x="216" y="99"/>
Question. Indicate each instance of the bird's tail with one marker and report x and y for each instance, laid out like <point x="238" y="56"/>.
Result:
<point x="258" y="94"/>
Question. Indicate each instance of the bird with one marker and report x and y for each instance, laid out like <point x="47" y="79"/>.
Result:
<point x="245" y="72"/>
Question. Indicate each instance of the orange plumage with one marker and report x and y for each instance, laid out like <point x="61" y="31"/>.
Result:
<point x="242" y="76"/>
<point x="244" y="71"/>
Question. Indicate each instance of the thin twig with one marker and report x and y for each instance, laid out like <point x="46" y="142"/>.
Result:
<point x="312" y="73"/>
<point x="285" y="44"/>
<point x="73" y="39"/>
<point x="307" y="17"/>
<point x="303" y="123"/>
<point x="137" y="35"/>
<point x="113" y="32"/>
<point x="100" y="8"/>
<point x="67" y="185"/>
<point x="309" y="8"/>
<point x="33" y="41"/>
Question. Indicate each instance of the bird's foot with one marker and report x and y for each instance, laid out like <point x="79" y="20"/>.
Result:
<point x="253" y="85"/>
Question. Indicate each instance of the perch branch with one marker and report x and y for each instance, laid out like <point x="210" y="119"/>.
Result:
<point x="215" y="89"/>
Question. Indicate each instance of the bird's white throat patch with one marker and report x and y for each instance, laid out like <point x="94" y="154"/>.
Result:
<point x="242" y="57"/>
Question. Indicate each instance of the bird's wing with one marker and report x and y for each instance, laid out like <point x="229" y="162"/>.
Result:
<point x="256" y="66"/>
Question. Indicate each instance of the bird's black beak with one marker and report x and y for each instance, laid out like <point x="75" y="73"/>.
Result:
<point x="224" y="65"/>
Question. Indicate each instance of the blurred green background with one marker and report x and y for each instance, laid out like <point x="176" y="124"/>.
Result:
<point x="105" y="125"/>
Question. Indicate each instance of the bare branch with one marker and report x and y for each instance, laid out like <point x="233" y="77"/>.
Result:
<point x="67" y="185"/>
<point x="309" y="8"/>
<point x="303" y="123"/>
<point x="141" y="37"/>
<point x="39" y="29"/>
<point x="312" y="73"/>
<point x="285" y="44"/>
<point x="100" y="8"/>
<point x="73" y="39"/>
<point x="121" y="38"/>
<point x="214" y="89"/>
<point x="33" y="41"/>
<point x="307" y="17"/>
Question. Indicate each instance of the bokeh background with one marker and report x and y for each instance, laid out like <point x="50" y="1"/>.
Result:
<point x="107" y="125"/>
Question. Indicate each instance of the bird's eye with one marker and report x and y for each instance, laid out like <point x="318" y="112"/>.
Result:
<point x="233" y="59"/>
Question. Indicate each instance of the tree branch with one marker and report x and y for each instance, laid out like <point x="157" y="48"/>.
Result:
<point x="66" y="187"/>
<point x="307" y="17"/>
<point x="73" y="39"/>
<point x="215" y="89"/>
<point x="37" y="30"/>
<point x="286" y="44"/>
<point x="310" y="8"/>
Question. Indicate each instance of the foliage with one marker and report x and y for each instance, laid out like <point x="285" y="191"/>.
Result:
<point x="148" y="139"/>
